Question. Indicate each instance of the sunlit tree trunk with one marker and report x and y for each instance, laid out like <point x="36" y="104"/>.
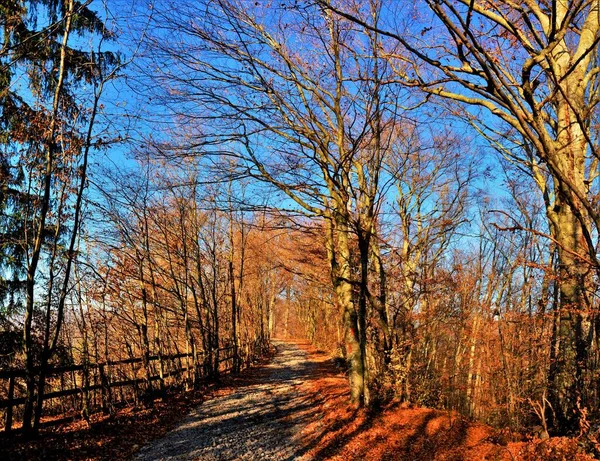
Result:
<point x="339" y="256"/>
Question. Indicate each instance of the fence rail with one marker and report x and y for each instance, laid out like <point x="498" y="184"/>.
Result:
<point x="105" y="384"/>
<point x="19" y="373"/>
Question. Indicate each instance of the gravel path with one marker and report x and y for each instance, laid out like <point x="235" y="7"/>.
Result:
<point x="259" y="421"/>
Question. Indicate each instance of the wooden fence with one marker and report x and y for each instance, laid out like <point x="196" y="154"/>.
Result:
<point x="96" y="381"/>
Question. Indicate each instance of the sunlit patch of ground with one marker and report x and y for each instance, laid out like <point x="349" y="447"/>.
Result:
<point x="344" y="433"/>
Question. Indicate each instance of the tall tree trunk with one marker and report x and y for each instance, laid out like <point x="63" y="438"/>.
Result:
<point x="33" y="261"/>
<point x="570" y="226"/>
<point x="364" y="252"/>
<point x="234" y="321"/>
<point x="338" y="250"/>
<point x="567" y="369"/>
<point x="215" y="315"/>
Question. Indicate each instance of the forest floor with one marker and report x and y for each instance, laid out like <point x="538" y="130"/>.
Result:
<point x="295" y="407"/>
<point x="399" y="433"/>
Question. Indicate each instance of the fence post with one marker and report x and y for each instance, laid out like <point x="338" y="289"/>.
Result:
<point x="9" y="409"/>
<point x="105" y="388"/>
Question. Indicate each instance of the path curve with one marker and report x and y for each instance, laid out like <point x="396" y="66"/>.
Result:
<point x="260" y="420"/>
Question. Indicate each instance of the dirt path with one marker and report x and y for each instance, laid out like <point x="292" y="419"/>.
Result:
<point x="262" y="419"/>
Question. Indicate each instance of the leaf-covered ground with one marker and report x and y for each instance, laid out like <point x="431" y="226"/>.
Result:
<point x="411" y="434"/>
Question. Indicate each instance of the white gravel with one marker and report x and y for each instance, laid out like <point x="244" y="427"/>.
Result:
<point x="260" y="421"/>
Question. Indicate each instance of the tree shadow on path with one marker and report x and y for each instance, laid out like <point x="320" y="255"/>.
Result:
<point x="258" y="420"/>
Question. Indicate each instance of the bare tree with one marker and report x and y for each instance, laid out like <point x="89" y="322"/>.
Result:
<point x="544" y="89"/>
<point x="300" y="99"/>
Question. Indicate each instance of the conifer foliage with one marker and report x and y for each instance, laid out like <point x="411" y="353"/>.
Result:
<point x="50" y="70"/>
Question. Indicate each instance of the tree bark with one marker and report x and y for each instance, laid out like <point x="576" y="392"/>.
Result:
<point x="339" y="256"/>
<point x="566" y="383"/>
